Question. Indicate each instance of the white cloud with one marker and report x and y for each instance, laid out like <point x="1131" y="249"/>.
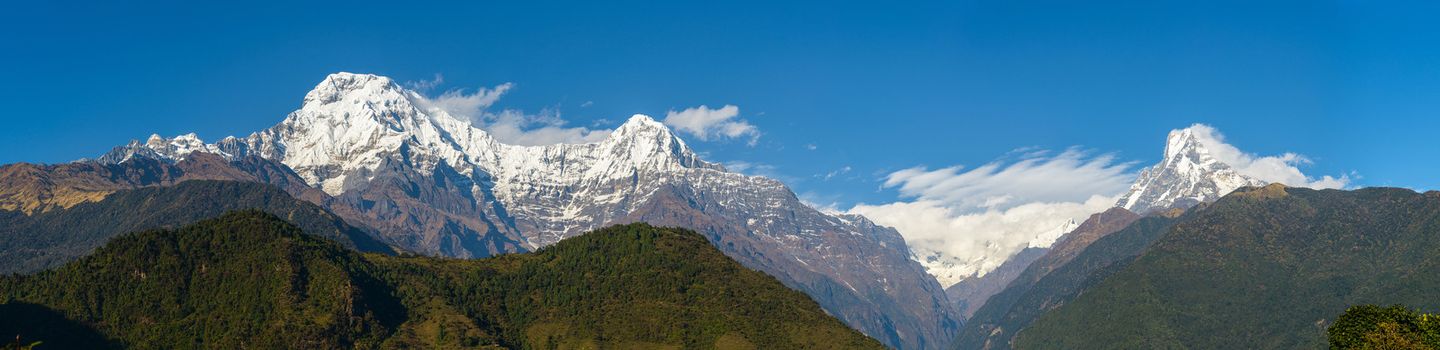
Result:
<point x="1070" y="176"/>
<point x="508" y="126"/>
<point x="964" y="223"/>
<point x="811" y="147"/>
<point x="1283" y="168"/>
<point x="749" y="168"/>
<point x="426" y="85"/>
<point x="467" y="106"/>
<point x="707" y="124"/>
<point x="517" y="128"/>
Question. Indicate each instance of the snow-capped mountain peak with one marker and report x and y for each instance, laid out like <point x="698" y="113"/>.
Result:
<point x="1189" y="174"/>
<point x="1048" y="238"/>
<point x="350" y="123"/>
<point x="338" y="86"/>
<point x="158" y="147"/>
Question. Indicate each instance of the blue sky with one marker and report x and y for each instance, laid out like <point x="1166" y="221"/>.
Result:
<point x="1354" y="86"/>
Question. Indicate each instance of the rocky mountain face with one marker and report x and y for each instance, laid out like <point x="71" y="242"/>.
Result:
<point x="1189" y="174"/>
<point x="30" y="243"/>
<point x="1038" y="288"/>
<point x="434" y="184"/>
<point x="971" y="293"/>
<point x="35" y="188"/>
<point x="1097" y="226"/>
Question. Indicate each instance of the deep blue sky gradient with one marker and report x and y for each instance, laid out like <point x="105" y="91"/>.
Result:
<point x="1354" y="85"/>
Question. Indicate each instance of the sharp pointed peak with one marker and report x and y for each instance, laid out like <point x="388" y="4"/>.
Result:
<point x="341" y="77"/>
<point x="642" y="120"/>
<point x="1183" y="140"/>
<point x="338" y="85"/>
<point x="1190" y="173"/>
<point x="642" y="125"/>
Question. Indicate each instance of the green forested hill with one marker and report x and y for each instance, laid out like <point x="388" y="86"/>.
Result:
<point x="996" y="323"/>
<point x="246" y="279"/>
<point x="47" y="239"/>
<point x="250" y="280"/>
<point x="1262" y="268"/>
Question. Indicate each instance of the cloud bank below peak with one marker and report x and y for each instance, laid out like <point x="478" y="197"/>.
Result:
<point x="962" y="223"/>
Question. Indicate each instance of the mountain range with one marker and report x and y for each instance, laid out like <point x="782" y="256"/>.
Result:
<point x="380" y="156"/>
<point x="428" y="231"/>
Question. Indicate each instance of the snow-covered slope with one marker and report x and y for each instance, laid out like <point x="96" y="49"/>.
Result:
<point x="1188" y="175"/>
<point x="949" y="270"/>
<point x="435" y="184"/>
<point x="352" y="124"/>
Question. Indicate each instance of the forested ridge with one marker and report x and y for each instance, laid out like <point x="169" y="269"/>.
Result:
<point x="248" y="279"/>
<point x="1267" y="267"/>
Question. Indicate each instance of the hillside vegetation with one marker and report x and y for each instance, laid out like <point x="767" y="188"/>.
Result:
<point x="1022" y="302"/>
<point x="248" y="279"/>
<point x="1262" y="268"/>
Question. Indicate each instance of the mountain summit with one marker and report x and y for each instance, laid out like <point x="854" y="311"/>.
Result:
<point x="433" y="182"/>
<point x="349" y="123"/>
<point x="1190" y="174"/>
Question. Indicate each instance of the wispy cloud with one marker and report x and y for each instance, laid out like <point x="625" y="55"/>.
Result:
<point x="833" y="173"/>
<point x="465" y="105"/>
<point x="750" y="168"/>
<point x="426" y="85"/>
<point x="509" y="126"/>
<point x="711" y="124"/>
<point x="1070" y="176"/>
<point x="545" y="128"/>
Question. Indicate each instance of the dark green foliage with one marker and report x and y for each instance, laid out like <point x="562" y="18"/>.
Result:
<point x="245" y="279"/>
<point x="45" y="240"/>
<point x="626" y="286"/>
<point x="1395" y="327"/>
<point x="1262" y="268"/>
<point x="250" y="280"/>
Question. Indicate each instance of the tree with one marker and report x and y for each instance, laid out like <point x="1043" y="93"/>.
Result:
<point x="1394" y="327"/>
